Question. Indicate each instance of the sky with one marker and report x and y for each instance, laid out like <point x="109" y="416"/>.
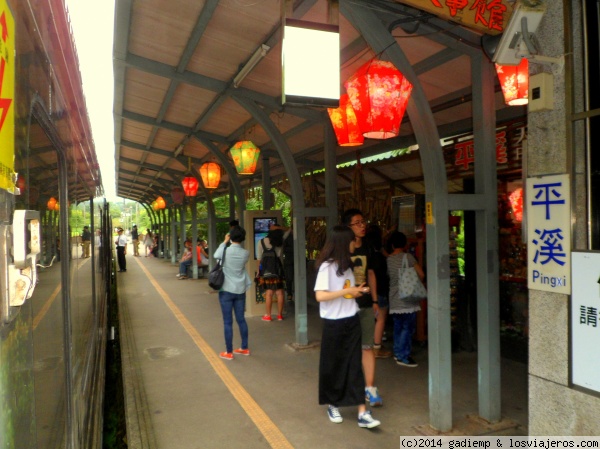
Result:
<point x="92" y="24"/>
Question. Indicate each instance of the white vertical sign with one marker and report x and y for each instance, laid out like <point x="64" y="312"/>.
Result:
<point x="585" y="325"/>
<point x="549" y="233"/>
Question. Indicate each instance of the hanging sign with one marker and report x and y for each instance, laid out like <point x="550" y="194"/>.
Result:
<point x="487" y="16"/>
<point x="585" y="325"/>
<point x="7" y="94"/>
<point x="549" y="233"/>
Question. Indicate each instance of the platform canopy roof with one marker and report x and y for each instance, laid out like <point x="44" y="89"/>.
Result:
<point x="175" y="101"/>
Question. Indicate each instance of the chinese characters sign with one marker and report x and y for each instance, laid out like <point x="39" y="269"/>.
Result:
<point x="465" y="151"/>
<point x="585" y="319"/>
<point x="549" y="233"/>
<point x="487" y="16"/>
<point x="7" y="93"/>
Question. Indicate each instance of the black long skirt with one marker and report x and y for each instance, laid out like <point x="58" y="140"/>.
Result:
<point x="341" y="379"/>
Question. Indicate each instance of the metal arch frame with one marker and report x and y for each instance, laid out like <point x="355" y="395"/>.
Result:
<point x="299" y="214"/>
<point x="426" y="132"/>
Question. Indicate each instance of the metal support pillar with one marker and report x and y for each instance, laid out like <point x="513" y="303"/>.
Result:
<point x="194" y="238"/>
<point x="266" y="184"/>
<point x="331" y="197"/>
<point x="174" y="210"/>
<point x="486" y="223"/>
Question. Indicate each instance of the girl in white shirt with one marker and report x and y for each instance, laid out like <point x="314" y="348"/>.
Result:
<point x="341" y="379"/>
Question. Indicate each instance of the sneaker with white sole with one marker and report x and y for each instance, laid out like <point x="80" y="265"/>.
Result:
<point x="372" y="396"/>
<point x="334" y="414"/>
<point x="367" y="421"/>
<point x="408" y="362"/>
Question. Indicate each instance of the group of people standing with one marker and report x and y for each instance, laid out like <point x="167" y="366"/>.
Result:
<point x="356" y="286"/>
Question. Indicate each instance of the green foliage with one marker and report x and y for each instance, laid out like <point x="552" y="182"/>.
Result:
<point x="460" y="243"/>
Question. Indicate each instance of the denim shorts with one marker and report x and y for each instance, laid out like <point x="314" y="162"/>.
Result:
<point x="383" y="301"/>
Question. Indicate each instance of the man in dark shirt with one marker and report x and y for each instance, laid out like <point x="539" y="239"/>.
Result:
<point x="86" y="238"/>
<point x="135" y="238"/>
<point x="353" y="218"/>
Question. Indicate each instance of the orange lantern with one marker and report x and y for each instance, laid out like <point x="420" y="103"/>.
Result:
<point x="245" y="157"/>
<point x="211" y="174"/>
<point x="160" y="203"/>
<point x="190" y="186"/>
<point x="52" y="203"/>
<point x="345" y="125"/>
<point x="154" y="205"/>
<point x="379" y="94"/>
<point x="514" y="80"/>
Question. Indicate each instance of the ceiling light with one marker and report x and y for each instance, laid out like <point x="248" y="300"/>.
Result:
<point x="260" y="53"/>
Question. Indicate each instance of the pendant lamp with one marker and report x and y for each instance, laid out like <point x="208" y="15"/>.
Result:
<point x="177" y="194"/>
<point x="345" y="124"/>
<point x="245" y="157"/>
<point x="190" y="183"/>
<point x="514" y="80"/>
<point x="379" y="94"/>
<point x="52" y="203"/>
<point x="211" y="174"/>
<point x="160" y="203"/>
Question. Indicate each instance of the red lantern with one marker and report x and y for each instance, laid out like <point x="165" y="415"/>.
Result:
<point x="245" y="156"/>
<point x="211" y="174"/>
<point x="190" y="186"/>
<point x="514" y="80"/>
<point x="177" y="194"/>
<point x="21" y="184"/>
<point x="345" y="125"/>
<point x="379" y="94"/>
<point x="516" y="204"/>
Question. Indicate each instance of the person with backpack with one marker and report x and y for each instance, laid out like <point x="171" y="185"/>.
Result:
<point x="271" y="279"/>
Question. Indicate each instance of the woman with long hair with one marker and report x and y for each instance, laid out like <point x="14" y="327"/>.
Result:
<point x="148" y="242"/>
<point x="341" y="379"/>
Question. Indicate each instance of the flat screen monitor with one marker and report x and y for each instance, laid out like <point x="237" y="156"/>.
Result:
<point x="261" y="229"/>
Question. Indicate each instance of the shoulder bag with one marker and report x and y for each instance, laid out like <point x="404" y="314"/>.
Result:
<point x="410" y="287"/>
<point x="216" y="277"/>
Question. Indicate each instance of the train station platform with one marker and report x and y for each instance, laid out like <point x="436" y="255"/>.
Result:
<point x="180" y="395"/>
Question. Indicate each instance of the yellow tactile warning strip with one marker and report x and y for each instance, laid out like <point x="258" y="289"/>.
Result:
<point x="270" y="431"/>
<point x="40" y="316"/>
<point x="42" y="313"/>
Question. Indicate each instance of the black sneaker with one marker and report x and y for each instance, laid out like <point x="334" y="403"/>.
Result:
<point x="408" y="362"/>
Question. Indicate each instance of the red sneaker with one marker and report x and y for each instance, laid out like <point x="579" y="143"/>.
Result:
<point x="267" y="318"/>
<point x="226" y="355"/>
<point x="279" y="317"/>
<point x="241" y="351"/>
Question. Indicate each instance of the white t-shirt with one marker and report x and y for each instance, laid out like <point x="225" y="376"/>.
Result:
<point x="328" y="280"/>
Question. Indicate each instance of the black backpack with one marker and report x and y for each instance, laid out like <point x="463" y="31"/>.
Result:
<point x="270" y="265"/>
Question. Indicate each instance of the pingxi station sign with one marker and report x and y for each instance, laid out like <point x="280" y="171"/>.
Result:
<point x="486" y="16"/>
